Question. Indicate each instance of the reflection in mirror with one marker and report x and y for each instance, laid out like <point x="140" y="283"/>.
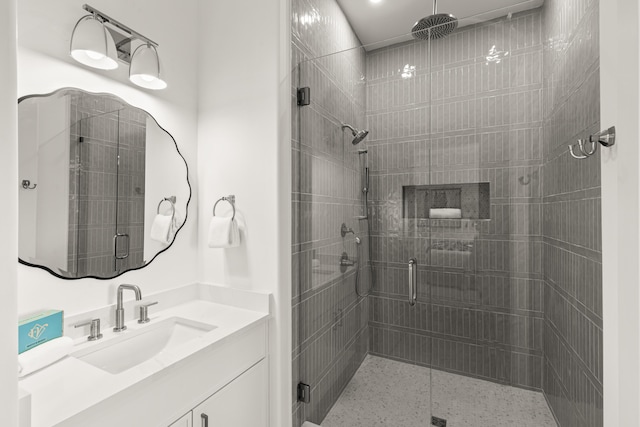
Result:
<point x="107" y="186"/>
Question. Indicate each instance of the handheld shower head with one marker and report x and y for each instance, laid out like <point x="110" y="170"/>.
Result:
<point x="358" y="135"/>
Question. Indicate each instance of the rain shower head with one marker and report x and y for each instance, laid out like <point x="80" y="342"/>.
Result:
<point x="434" y="26"/>
<point x="358" y="135"/>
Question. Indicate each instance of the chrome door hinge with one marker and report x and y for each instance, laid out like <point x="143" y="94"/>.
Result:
<point x="304" y="393"/>
<point x="304" y="96"/>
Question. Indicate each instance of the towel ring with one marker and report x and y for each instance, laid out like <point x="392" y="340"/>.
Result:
<point x="231" y="200"/>
<point x="172" y="201"/>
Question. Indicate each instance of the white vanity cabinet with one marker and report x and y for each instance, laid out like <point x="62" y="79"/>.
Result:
<point x="241" y="403"/>
<point x="184" y="421"/>
<point x="222" y="372"/>
<point x="236" y="368"/>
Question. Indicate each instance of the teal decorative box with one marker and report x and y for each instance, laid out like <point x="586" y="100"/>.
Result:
<point x="40" y="328"/>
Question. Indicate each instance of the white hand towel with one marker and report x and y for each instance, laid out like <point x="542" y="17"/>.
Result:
<point x="161" y="228"/>
<point x="223" y="232"/>
<point x="242" y="227"/>
<point x="176" y="224"/>
<point x="445" y="213"/>
<point x="43" y="355"/>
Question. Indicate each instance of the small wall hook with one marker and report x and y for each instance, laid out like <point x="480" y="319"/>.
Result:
<point x="580" y="157"/>
<point x="607" y="138"/>
<point x="26" y="184"/>
<point x="594" y="146"/>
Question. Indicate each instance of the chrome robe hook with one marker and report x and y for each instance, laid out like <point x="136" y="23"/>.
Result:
<point x="607" y="138"/>
<point x="26" y="184"/>
<point x="578" y="156"/>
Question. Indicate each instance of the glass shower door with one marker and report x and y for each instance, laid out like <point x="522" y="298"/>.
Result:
<point x="485" y="268"/>
<point x="130" y="201"/>
<point x="398" y="110"/>
<point x="107" y="170"/>
<point x="360" y="346"/>
<point x="329" y="234"/>
<point x="93" y="190"/>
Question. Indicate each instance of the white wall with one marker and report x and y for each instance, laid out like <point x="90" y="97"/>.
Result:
<point x="8" y="215"/>
<point x="52" y="179"/>
<point x="620" y="94"/>
<point x="28" y="169"/>
<point x="243" y="149"/>
<point x="44" y="31"/>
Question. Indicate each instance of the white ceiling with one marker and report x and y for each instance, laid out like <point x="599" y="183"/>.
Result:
<point x="390" y="21"/>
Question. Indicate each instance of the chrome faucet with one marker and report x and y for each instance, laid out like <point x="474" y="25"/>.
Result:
<point x="120" y="326"/>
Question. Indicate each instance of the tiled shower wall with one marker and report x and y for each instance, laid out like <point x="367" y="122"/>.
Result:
<point x="460" y="118"/>
<point x="110" y="134"/>
<point x="330" y="321"/>
<point x="572" y="215"/>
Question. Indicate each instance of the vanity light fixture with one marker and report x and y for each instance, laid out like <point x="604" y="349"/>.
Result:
<point x="145" y="67"/>
<point x="98" y="40"/>
<point x="92" y="44"/>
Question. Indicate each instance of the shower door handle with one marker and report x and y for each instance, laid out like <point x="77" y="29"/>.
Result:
<point x="413" y="279"/>
<point x="116" y="257"/>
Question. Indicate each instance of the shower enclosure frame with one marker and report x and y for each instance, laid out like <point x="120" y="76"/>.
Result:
<point x="514" y="191"/>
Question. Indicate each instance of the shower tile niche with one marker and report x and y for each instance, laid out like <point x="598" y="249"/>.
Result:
<point x="472" y="200"/>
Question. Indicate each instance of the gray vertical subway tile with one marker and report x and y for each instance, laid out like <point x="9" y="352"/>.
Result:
<point x="572" y="323"/>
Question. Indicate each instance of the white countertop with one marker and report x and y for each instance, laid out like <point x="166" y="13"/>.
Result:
<point x="70" y="385"/>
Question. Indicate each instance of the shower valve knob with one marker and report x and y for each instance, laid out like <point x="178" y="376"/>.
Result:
<point x="345" y="261"/>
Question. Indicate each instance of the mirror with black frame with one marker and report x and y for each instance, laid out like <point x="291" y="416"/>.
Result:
<point x="104" y="188"/>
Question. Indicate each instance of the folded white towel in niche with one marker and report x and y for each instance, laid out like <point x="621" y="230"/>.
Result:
<point x="445" y="213"/>
<point x="43" y="355"/>
<point x="223" y="232"/>
<point x="161" y="228"/>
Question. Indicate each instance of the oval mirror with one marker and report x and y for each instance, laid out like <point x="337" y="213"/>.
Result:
<point x="103" y="187"/>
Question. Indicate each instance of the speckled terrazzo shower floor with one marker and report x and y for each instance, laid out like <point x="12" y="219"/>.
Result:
<point x="384" y="392"/>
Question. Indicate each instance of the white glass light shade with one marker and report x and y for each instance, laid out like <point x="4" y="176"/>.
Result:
<point x="144" y="70"/>
<point x="92" y="44"/>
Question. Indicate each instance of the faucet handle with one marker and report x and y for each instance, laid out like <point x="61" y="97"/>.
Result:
<point x="95" y="329"/>
<point x="144" y="312"/>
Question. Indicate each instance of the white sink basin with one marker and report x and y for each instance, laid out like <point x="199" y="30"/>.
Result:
<point x="138" y="345"/>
